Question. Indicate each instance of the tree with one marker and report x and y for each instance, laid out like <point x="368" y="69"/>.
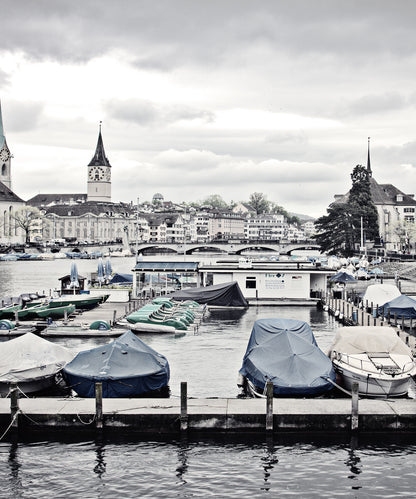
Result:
<point x="259" y="203"/>
<point x="215" y="201"/>
<point x="27" y="218"/>
<point x="340" y="230"/>
<point x="361" y="204"/>
<point x="335" y="231"/>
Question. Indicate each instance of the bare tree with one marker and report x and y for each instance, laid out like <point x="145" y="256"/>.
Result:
<point x="27" y="218"/>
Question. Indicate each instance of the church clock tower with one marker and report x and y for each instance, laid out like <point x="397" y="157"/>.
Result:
<point x="5" y="157"/>
<point x="99" y="174"/>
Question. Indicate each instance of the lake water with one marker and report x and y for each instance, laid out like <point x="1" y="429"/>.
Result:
<point x="290" y="466"/>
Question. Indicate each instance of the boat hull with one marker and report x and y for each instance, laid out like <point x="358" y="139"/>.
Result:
<point x="29" y="386"/>
<point x="372" y="384"/>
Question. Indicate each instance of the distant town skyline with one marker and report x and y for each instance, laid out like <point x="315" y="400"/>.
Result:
<point x="201" y="98"/>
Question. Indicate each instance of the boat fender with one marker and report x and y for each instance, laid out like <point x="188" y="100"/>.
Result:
<point x="6" y="324"/>
<point x="100" y="325"/>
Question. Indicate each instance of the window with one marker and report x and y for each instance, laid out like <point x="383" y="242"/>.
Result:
<point x="251" y="283"/>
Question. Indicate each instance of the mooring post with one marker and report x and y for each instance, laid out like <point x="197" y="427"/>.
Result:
<point x="65" y="316"/>
<point x="269" y="406"/>
<point x="114" y="316"/>
<point x="14" y="404"/>
<point x="354" y="407"/>
<point x="184" y="406"/>
<point x="98" y="405"/>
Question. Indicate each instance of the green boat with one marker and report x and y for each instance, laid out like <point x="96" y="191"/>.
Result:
<point x="9" y="311"/>
<point x="30" y="313"/>
<point x="44" y="311"/>
<point x="81" y="302"/>
<point x="56" y="312"/>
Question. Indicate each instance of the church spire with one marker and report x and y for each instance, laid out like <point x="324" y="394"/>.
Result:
<point x="99" y="159"/>
<point x="368" y="160"/>
<point x="2" y="136"/>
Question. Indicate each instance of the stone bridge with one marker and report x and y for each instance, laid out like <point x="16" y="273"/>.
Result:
<point x="226" y="248"/>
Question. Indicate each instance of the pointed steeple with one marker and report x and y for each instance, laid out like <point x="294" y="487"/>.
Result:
<point x="368" y="160"/>
<point x="99" y="159"/>
<point x="2" y="136"/>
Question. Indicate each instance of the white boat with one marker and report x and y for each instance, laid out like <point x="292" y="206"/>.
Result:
<point x="375" y="358"/>
<point x="31" y="362"/>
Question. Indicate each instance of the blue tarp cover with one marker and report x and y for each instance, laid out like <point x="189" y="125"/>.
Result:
<point x="285" y="352"/>
<point x="403" y="306"/>
<point x="127" y="367"/>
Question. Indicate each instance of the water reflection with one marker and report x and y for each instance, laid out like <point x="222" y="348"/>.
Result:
<point x="100" y="466"/>
<point x="269" y="461"/>
<point x="182" y="468"/>
<point x="16" y="487"/>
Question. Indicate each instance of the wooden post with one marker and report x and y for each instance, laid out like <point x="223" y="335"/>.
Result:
<point x="354" y="407"/>
<point x="99" y="406"/>
<point x="14" y="405"/>
<point x="16" y="317"/>
<point x="65" y="316"/>
<point x="184" y="406"/>
<point x="114" y="316"/>
<point x="269" y="406"/>
<point x="362" y="317"/>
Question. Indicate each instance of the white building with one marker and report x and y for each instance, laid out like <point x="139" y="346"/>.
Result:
<point x="10" y="232"/>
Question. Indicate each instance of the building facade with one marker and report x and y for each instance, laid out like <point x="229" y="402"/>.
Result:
<point x="10" y="203"/>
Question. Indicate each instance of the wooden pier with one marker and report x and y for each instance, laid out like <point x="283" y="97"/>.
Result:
<point x="350" y="315"/>
<point x="172" y="416"/>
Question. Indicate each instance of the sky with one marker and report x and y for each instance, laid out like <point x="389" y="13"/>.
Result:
<point x="226" y="97"/>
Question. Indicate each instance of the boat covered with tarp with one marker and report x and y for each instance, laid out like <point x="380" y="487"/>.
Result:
<point x="31" y="362"/>
<point x="122" y="279"/>
<point x="375" y="358"/>
<point x="285" y="352"/>
<point x="403" y="307"/>
<point x="377" y="294"/>
<point x="126" y="367"/>
<point x="218" y="295"/>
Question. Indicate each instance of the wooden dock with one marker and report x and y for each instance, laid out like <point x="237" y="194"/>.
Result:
<point x="350" y="315"/>
<point x="167" y="416"/>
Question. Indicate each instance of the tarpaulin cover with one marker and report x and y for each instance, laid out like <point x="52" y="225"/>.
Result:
<point x="30" y="357"/>
<point x="121" y="279"/>
<point x="368" y="339"/>
<point x="223" y="295"/>
<point x="342" y="277"/>
<point x="403" y="306"/>
<point x="126" y="367"/>
<point x="285" y="352"/>
<point x="380" y="293"/>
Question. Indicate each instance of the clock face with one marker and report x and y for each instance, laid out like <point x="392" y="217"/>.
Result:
<point x="4" y="154"/>
<point x="96" y="173"/>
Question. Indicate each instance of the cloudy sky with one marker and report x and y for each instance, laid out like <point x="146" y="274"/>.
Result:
<point x="201" y="97"/>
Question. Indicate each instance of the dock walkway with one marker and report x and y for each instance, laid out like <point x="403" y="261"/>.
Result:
<point x="163" y="416"/>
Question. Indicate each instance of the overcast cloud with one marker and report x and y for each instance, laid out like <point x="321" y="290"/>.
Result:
<point x="210" y="97"/>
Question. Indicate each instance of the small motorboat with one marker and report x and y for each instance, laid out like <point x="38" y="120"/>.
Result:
<point x="9" y="311"/>
<point x="31" y="362"/>
<point x="81" y="302"/>
<point x="126" y="367"/>
<point x="285" y="352"/>
<point x="375" y="358"/>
